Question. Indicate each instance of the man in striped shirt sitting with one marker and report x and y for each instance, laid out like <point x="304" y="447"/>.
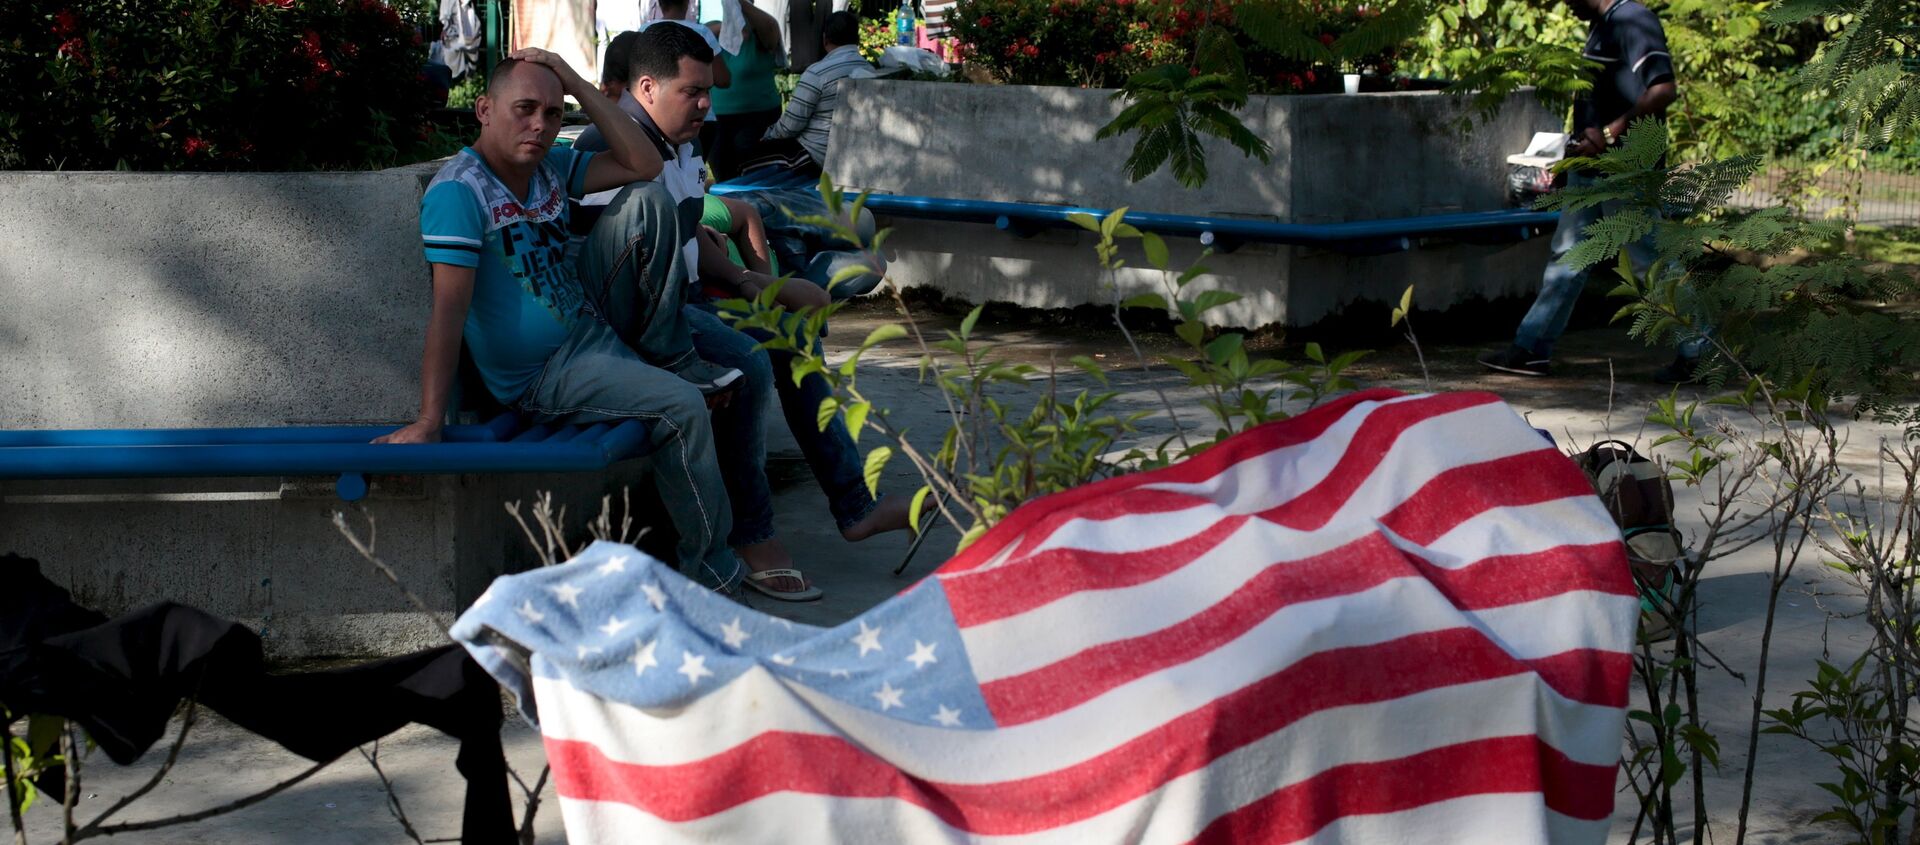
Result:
<point x="809" y="114"/>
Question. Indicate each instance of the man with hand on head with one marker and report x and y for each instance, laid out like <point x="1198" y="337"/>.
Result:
<point x="600" y="339"/>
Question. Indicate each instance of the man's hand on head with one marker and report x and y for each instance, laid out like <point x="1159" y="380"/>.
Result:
<point x="571" y="83"/>
<point x="419" y="431"/>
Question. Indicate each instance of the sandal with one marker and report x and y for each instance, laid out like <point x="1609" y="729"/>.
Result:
<point x="757" y="580"/>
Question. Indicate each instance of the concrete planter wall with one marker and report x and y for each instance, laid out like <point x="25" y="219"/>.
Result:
<point x="162" y="300"/>
<point x="1335" y="158"/>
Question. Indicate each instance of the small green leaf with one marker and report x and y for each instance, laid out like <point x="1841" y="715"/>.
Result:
<point x="913" y="510"/>
<point x="1406" y="300"/>
<point x="1211" y="299"/>
<point x="847" y="274"/>
<point x="1222" y="348"/>
<point x="883" y="333"/>
<point x="857" y="419"/>
<point x="1156" y="249"/>
<point x="1085" y="221"/>
<point x="973" y="317"/>
<point x="1145" y="300"/>
<point x="1090" y="367"/>
<point x="1191" y="332"/>
<point x="1314" y="354"/>
<point x="877" y="461"/>
<point x="828" y="408"/>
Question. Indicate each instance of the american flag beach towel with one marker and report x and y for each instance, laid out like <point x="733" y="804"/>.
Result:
<point x="1391" y="619"/>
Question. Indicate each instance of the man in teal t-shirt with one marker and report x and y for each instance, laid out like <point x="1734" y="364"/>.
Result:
<point x="599" y="339"/>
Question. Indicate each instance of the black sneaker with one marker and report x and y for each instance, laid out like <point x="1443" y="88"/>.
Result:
<point x="1517" y="360"/>
<point x="1679" y="371"/>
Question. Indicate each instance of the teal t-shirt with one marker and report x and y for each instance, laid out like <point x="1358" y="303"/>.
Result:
<point x="526" y="296"/>
<point x="752" y="89"/>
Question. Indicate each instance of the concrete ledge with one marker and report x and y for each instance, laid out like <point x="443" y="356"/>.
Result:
<point x="1335" y="158"/>
<point x="152" y="300"/>
<point x="142" y="300"/>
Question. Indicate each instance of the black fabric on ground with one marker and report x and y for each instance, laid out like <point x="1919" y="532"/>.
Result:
<point x="121" y="679"/>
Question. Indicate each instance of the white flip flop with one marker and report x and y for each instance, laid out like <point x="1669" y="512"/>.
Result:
<point x="756" y="579"/>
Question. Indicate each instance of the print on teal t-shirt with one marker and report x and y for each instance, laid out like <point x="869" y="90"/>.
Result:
<point x="526" y="296"/>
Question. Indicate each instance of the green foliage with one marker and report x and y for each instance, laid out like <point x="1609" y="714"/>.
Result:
<point x="1815" y="321"/>
<point x="209" y="85"/>
<point x="1012" y="435"/>
<point x="1171" y="109"/>
<point x="1856" y="720"/>
<point x="1557" y="73"/>
<point x="1863" y="62"/>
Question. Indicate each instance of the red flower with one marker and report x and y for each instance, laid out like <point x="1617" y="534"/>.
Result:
<point x="985" y="22"/>
<point x="321" y="65"/>
<point x="1326" y="38"/>
<point x="284" y="4"/>
<point x="193" y="145"/>
<point x="65" y="24"/>
<point x="1309" y="77"/>
<point x="75" y="49"/>
<point x="1126" y="48"/>
<point x="1031" y="51"/>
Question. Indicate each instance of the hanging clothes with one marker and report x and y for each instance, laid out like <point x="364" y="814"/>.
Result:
<point x="121" y="679"/>
<point x="461" y="38"/>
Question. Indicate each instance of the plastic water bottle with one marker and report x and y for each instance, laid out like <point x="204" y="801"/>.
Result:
<point x="903" y="24"/>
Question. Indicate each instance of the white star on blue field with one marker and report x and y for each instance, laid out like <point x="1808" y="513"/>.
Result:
<point x="620" y="625"/>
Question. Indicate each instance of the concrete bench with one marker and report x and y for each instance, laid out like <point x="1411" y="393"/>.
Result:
<point x="1224" y="234"/>
<point x="504" y="445"/>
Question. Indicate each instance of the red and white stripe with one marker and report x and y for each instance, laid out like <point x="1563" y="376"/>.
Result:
<point x="1390" y="619"/>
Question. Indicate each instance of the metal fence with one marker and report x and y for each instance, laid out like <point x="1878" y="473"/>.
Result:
<point x="1868" y="197"/>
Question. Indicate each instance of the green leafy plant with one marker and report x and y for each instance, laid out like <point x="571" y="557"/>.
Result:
<point x="210" y="85"/>
<point x="1170" y="109"/>
<point x="1012" y="434"/>
<point x="1789" y="322"/>
<point x="1867" y="63"/>
<point x="1858" y="721"/>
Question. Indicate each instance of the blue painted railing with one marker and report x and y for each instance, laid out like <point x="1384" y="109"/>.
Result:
<point x="1223" y="233"/>
<point x="500" y="446"/>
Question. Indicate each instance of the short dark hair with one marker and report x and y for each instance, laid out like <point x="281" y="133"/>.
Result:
<point x="660" y="47"/>
<point x="841" y="29"/>
<point x="619" y="63"/>
<point x="501" y="72"/>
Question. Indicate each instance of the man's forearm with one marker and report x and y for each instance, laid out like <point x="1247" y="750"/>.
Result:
<point x="1653" y="101"/>
<point x="626" y="141"/>
<point x="438" y="361"/>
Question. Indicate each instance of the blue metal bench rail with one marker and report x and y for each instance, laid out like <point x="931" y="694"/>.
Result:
<point x="499" y="446"/>
<point x="1223" y="233"/>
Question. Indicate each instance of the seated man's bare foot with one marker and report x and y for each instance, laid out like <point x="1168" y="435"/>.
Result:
<point x="771" y="572"/>
<point x="889" y="515"/>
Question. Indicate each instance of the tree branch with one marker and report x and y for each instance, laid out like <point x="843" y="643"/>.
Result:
<point x="187" y="818"/>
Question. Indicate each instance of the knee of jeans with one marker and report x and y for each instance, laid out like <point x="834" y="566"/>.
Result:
<point x="683" y="405"/>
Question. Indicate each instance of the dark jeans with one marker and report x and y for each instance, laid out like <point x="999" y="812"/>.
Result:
<point x="740" y="428"/>
<point x="628" y="358"/>
<point x="736" y="135"/>
<point x="831" y="454"/>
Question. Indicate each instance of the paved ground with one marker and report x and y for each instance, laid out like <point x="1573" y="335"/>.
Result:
<point x="1601" y="388"/>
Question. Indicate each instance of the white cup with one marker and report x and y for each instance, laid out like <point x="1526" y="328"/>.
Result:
<point x="1352" y="81"/>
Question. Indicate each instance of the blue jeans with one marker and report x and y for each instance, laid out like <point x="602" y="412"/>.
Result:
<point x="740" y="428"/>
<point x="595" y="377"/>
<point x="1561" y="286"/>
<point x="831" y="454"/>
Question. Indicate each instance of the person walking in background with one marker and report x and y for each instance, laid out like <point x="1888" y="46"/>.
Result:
<point x="744" y="110"/>
<point x="1635" y="79"/>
